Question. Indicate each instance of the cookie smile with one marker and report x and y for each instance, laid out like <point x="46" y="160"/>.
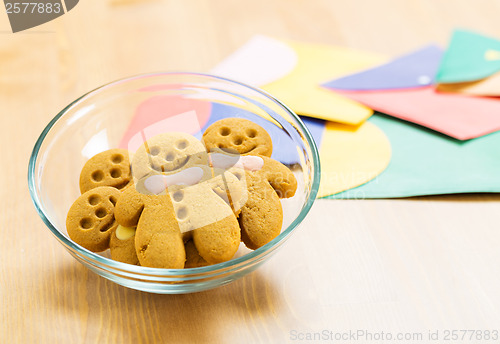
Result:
<point x="108" y="224"/>
<point x="232" y="150"/>
<point x="164" y="168"/>
<point x="249" y="150"/>
<point x="182" y="164"/>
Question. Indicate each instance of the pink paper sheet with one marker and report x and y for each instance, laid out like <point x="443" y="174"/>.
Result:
<point x="459" y="116"/>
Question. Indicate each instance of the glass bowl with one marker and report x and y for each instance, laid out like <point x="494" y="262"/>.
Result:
<point x="109" y="116"/>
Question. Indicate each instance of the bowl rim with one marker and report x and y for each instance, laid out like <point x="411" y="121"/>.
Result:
<point x="224" y="266"/>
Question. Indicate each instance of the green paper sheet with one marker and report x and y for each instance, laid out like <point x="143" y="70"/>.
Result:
<point x="425" y="162"/>
<point x="470" y="56"/>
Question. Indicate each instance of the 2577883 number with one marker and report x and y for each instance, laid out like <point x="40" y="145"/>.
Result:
<point x="470" y="335"/>
<point x="32" y="7"/>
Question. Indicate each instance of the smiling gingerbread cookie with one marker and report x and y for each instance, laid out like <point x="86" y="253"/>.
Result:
<point x="237" y="135"/>
<point x="90" y="220"/>
<point x="108" y="168"/>
<point x="267" y="180"/>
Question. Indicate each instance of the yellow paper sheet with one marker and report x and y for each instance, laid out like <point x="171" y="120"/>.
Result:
<point x="317" y="64"/>
<point x="351" y="156"/>
<point x="293" y="71"/>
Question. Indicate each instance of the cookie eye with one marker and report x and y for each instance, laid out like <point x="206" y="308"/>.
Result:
<point x="224" y="131"/>
<point x="154" y="150"/>
<point x="115" y="173"/>
<point x="181" y="144"/>
<point x="97" y="176"/>
<point x="94" y="199"/>
<point x="100" y="213"/>
<point x="251" y="133"/>
<point x="117" y="158"/>
<point x="86" y="223"/>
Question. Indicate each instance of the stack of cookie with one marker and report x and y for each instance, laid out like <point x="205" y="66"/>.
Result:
<point x="183" y="203"/>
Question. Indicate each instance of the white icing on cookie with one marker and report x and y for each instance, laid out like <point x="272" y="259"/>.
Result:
<point x="225" y="161"/>
<point x="252" y="163"/>
<point x="158" y="183"/>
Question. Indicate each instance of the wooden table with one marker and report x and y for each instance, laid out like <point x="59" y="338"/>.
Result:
<point x="411" y="265"/>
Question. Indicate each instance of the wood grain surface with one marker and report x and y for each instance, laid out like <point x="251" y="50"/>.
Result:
<point x="411" y="265"/>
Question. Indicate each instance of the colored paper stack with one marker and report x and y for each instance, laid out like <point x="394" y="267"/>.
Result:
<point x="437" y="120"/>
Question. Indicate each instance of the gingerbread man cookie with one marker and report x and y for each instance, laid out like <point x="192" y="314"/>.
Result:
<point x="238" y="135"/>
<point x="90" y="220"/>
<point x="267" y="180"/>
